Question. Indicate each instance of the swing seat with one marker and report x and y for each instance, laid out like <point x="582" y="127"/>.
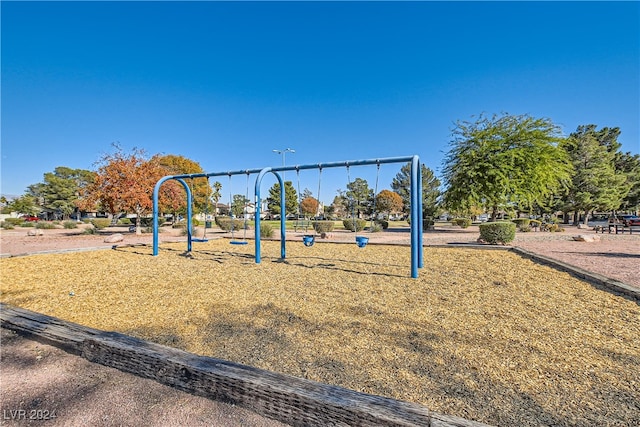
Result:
<point x="238" y="242"/>
<point x="308" y="240"/>
<point x="362" y="241"/>
<point x="199" y="240"/>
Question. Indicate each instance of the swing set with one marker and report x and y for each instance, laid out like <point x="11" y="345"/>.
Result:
<point x="308" y="239"/>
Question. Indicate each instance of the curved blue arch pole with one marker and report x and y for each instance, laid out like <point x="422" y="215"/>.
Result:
<point x="283" y="214"/>
<point x="156" y="190"/>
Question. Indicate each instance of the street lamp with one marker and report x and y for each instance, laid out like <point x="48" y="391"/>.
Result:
<point x="284" y="152"/>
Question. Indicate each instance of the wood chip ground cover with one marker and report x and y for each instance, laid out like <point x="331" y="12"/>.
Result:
<point x="485" y="335"/>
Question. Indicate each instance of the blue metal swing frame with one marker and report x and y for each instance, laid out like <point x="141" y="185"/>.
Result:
<point x="415" y="192"/>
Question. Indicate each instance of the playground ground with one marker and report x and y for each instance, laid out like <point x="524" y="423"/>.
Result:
<point x="619" y="251"/>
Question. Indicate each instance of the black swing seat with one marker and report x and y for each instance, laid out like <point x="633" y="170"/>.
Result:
<point x="238" y="242"/>
<point x="199" y="240"/>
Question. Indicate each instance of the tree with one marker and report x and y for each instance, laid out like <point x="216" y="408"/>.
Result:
<point x="309" y="206"/>
<point x="359" y="197"/>
<point x="500" y="161"/>
<point x="25" y="205"/>
<point x="61" y="189"/>
<point x="401" y="184"/>
<point x="291" y="199"/>
<point x="200" y="188"/>
<point x="389" y="201"/>
<point x="596" y="184"/>
<point x="124" y="183"/>
<point x="239" y="205"/>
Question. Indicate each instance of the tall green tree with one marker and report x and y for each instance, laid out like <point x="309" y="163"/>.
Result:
<point x="291" y="199"/>
<point x="596" y="183"/>
<point x="239" y="205"/>
<point x="401" y="184"/>
<point x="61" y="189"/>
<point x="25" y="205"/>
<point x="504" y="160"/>
<point x="359" y="197"/>
<point x="629" y="164"/>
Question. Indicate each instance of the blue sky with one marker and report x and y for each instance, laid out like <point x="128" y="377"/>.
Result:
<point x="225" y="83"/>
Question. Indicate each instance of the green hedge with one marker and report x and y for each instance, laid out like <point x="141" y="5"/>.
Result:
<point x="323" y="226"/>
<point x="354" y="225"/>
<point x="501" y="232"/>
<point x="266" y="230"/>
<point x="100" y="223"/>
<point x="461" y="222"/>
<point x="227" y="223"/>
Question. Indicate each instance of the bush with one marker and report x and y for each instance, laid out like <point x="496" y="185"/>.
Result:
<point x="70" y="224"/>
<point x="555" y="228"/>
<point x="27" y="224"/>
<point x="226" y="223"/>
<point x="383" y="223"/>
<point x="100" y="223"/>
<point x="90" y="230"/>
<point x="14" y="221"/>
<point x="501" y="232"/>
<point x="523" y="224"/>
<point x="323" y="226"/>
<point x="7" y="225"/>
<point x="354" y="225"/>
<point x="266" y="230"/>
<point x="148" y="222"/>
<point x="461" y="222"/>
<point x="375" y="227"/>
<point x="124" y="221"/>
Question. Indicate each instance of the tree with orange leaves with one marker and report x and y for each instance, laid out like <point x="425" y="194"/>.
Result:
<point x="309" y="206"/>
<point x="388" y="201"/>
<point x="125" y="182"/>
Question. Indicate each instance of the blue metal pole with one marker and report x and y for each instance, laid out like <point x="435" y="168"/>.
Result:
<point x="414" y="218"/>
<point x="283" y="251"/>
<point x="156" y="191"/>
<point x="420" y="214"/>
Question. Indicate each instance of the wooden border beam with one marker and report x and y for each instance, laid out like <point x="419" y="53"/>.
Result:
<point x="292" y="400"/>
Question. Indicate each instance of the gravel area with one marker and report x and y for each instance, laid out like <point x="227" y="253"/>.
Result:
<point x="485" y="335"/>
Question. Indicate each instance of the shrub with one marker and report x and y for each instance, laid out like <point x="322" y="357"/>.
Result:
<point x="383" y="223"/>
<point x="323" y="226"/>
<point x="124" y="221"/>
<point x="375" y="227"/>
<point x="226" y="223"/>
<point x="354" y="225"/>
<point x="461" y="222"/>
<point x="555" y="228"/>
<point x="27" y="224"/>
<point x="100" y="223"/>
<point x="266" y="230"/>
<point x="501" y="232"/>
<point x="14" y="221"/>
<point x="523" y="224"/>
<point x="90" y="230"/>
<point x="70" y="224"/>
<point x="148" y="222"/>
<point x="7" y="225"/>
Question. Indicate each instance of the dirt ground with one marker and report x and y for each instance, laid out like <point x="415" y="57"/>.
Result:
<point x="37" y="377"/>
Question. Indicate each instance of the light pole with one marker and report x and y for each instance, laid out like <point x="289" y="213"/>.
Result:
<point x="284" y="152"/>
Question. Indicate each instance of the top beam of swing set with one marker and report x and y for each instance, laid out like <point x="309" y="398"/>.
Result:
<point x="415" y="190"/>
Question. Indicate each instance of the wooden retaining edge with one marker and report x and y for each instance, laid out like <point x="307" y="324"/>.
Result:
<point x="285" y="398"/>
<point x="606" y="283"/>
